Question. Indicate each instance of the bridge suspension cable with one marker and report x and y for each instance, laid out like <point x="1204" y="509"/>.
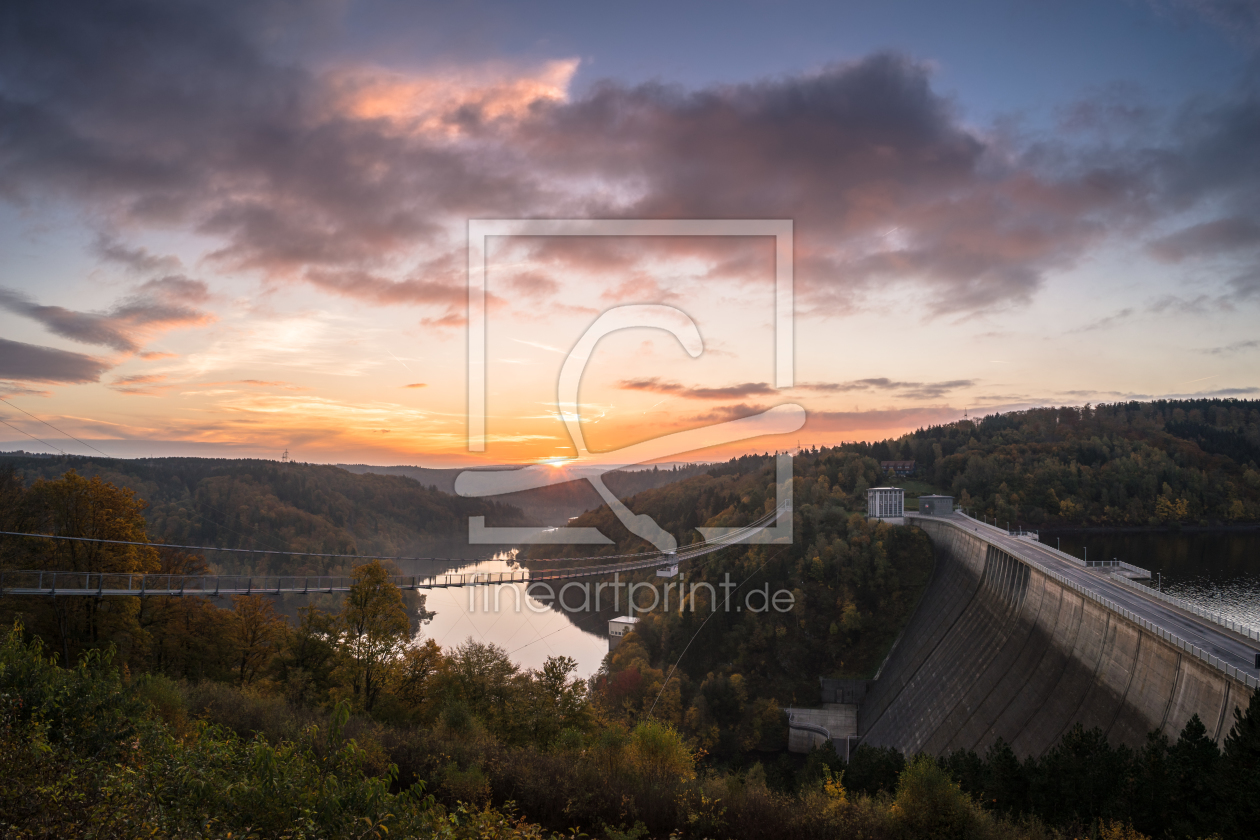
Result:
<point x="37" y="582"/>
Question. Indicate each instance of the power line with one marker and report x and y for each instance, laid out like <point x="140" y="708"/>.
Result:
<point x="208" y="547"/>
<point x="699" y="549"/>
<point x="51" y="426"/>
<point x="31" y="436"/>
<point x="701" y="627"/>
<point x="192" y="499"/>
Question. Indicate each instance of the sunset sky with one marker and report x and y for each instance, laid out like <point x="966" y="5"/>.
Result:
<point x="233" y="229"/>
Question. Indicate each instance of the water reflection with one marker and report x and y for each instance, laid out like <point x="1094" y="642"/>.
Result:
<point x="528" y="630"/>
<point x="1218" y="571"/>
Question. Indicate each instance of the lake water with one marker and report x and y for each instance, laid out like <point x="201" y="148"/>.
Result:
<point x="1216" y="570"/>
<point x="528" y="630"/>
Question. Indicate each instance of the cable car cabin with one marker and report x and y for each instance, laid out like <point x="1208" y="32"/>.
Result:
<point x="668" y="571"/>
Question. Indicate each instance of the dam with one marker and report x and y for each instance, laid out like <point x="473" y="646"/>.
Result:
<point x="1014" y="640"/>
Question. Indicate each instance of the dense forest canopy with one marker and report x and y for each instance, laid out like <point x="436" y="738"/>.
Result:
<point x="1123" y="464"/>
<point x="852" y="583"/>
<point x="272" y="505"/>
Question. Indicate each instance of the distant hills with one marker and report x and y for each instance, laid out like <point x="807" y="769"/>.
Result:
<point x="556" y="504"/>
<point x="344" y="509"/>
<point x="270" y="505"/>
<point x="1160" y="463"/>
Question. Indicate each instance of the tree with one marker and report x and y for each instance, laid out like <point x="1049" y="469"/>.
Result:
<point x="485" y="679"/>
<point x="1193" y="763"/>
<point x="559" y="699"/>
<point x="931" y="804"/>
<point x="418" y="673"/>
<point x="256" y="635"/>
<point x="1242" y="770"/>
<point x="74" y="506"/>
<point x="307" y="664"/>
<point x="184" y="635"/>
<point x="373" y="629"/>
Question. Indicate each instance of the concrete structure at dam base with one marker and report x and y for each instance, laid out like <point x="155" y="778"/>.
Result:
<point x="999" y="648"/>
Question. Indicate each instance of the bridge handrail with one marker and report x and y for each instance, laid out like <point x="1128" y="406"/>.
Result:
<point x="1216" y="617"/>
<point x="1190" y="648"/>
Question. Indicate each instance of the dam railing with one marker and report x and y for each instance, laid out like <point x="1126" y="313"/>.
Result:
<point x="1035" y="536"/>
<point x="1190" y="648"/>
<point x="1181" y="603"/>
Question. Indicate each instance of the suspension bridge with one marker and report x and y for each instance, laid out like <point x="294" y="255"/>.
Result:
<point x="101" y="584"/>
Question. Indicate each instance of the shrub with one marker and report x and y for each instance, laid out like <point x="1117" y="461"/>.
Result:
<point x="930" y="804"/>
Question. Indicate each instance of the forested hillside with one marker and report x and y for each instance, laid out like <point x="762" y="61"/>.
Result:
<point x="278" y="506"/>
<point x="1127" y="464"/>
<point x="853" y="585"/>
<point x="552" y="505"/>
<point x="225" y="720"/>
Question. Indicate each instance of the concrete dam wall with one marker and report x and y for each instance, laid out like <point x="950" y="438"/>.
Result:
<point x="997" y="648"/>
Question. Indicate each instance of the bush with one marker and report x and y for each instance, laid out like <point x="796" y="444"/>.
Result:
<point x="930" y="804"/>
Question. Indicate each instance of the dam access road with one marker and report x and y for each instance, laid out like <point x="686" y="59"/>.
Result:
<point x="1230" y="647"/>
<point x="1017" y="641"/>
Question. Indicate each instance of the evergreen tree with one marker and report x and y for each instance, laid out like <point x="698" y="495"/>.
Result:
<point x="1193" y="765"/>
<point x="1241" y="771"/>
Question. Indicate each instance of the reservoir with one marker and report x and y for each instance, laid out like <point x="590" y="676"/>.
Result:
<point x="528" y="630"/>
<point x="1216" y="570"/>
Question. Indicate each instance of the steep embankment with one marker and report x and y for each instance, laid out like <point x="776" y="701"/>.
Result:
<point x="997" y="649"/>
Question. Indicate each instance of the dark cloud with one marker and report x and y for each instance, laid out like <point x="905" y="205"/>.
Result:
<point x="1108" y="321"/>
<point x="722" y="414"/>
<point x="135" y="259"/>
<point x="176" y="113"/>
<point x="11" y="389"/>
<point x="1229" y="349"/>
<point x="1243" y="287"/>
<point x="732" y="392"/>
<point x="156" y="305"/>
<point x="532" y="284"/>
<point x="1240" y="19"/>
<point x="1231" y="392"/>
<point x="145" y="384"/>
<point x="183" y="114"/>
<point x="379" y="289"/>
<point x="911" y="390"/>
<point x="883" y="181"/>
<point x="1208" y="239"/>
<point x="32" y="363"/>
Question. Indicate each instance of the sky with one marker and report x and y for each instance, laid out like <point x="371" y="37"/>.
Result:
<point x="239" y="229"/>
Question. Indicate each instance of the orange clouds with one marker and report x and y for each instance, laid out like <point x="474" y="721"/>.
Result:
<point x="446" y="103"/>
